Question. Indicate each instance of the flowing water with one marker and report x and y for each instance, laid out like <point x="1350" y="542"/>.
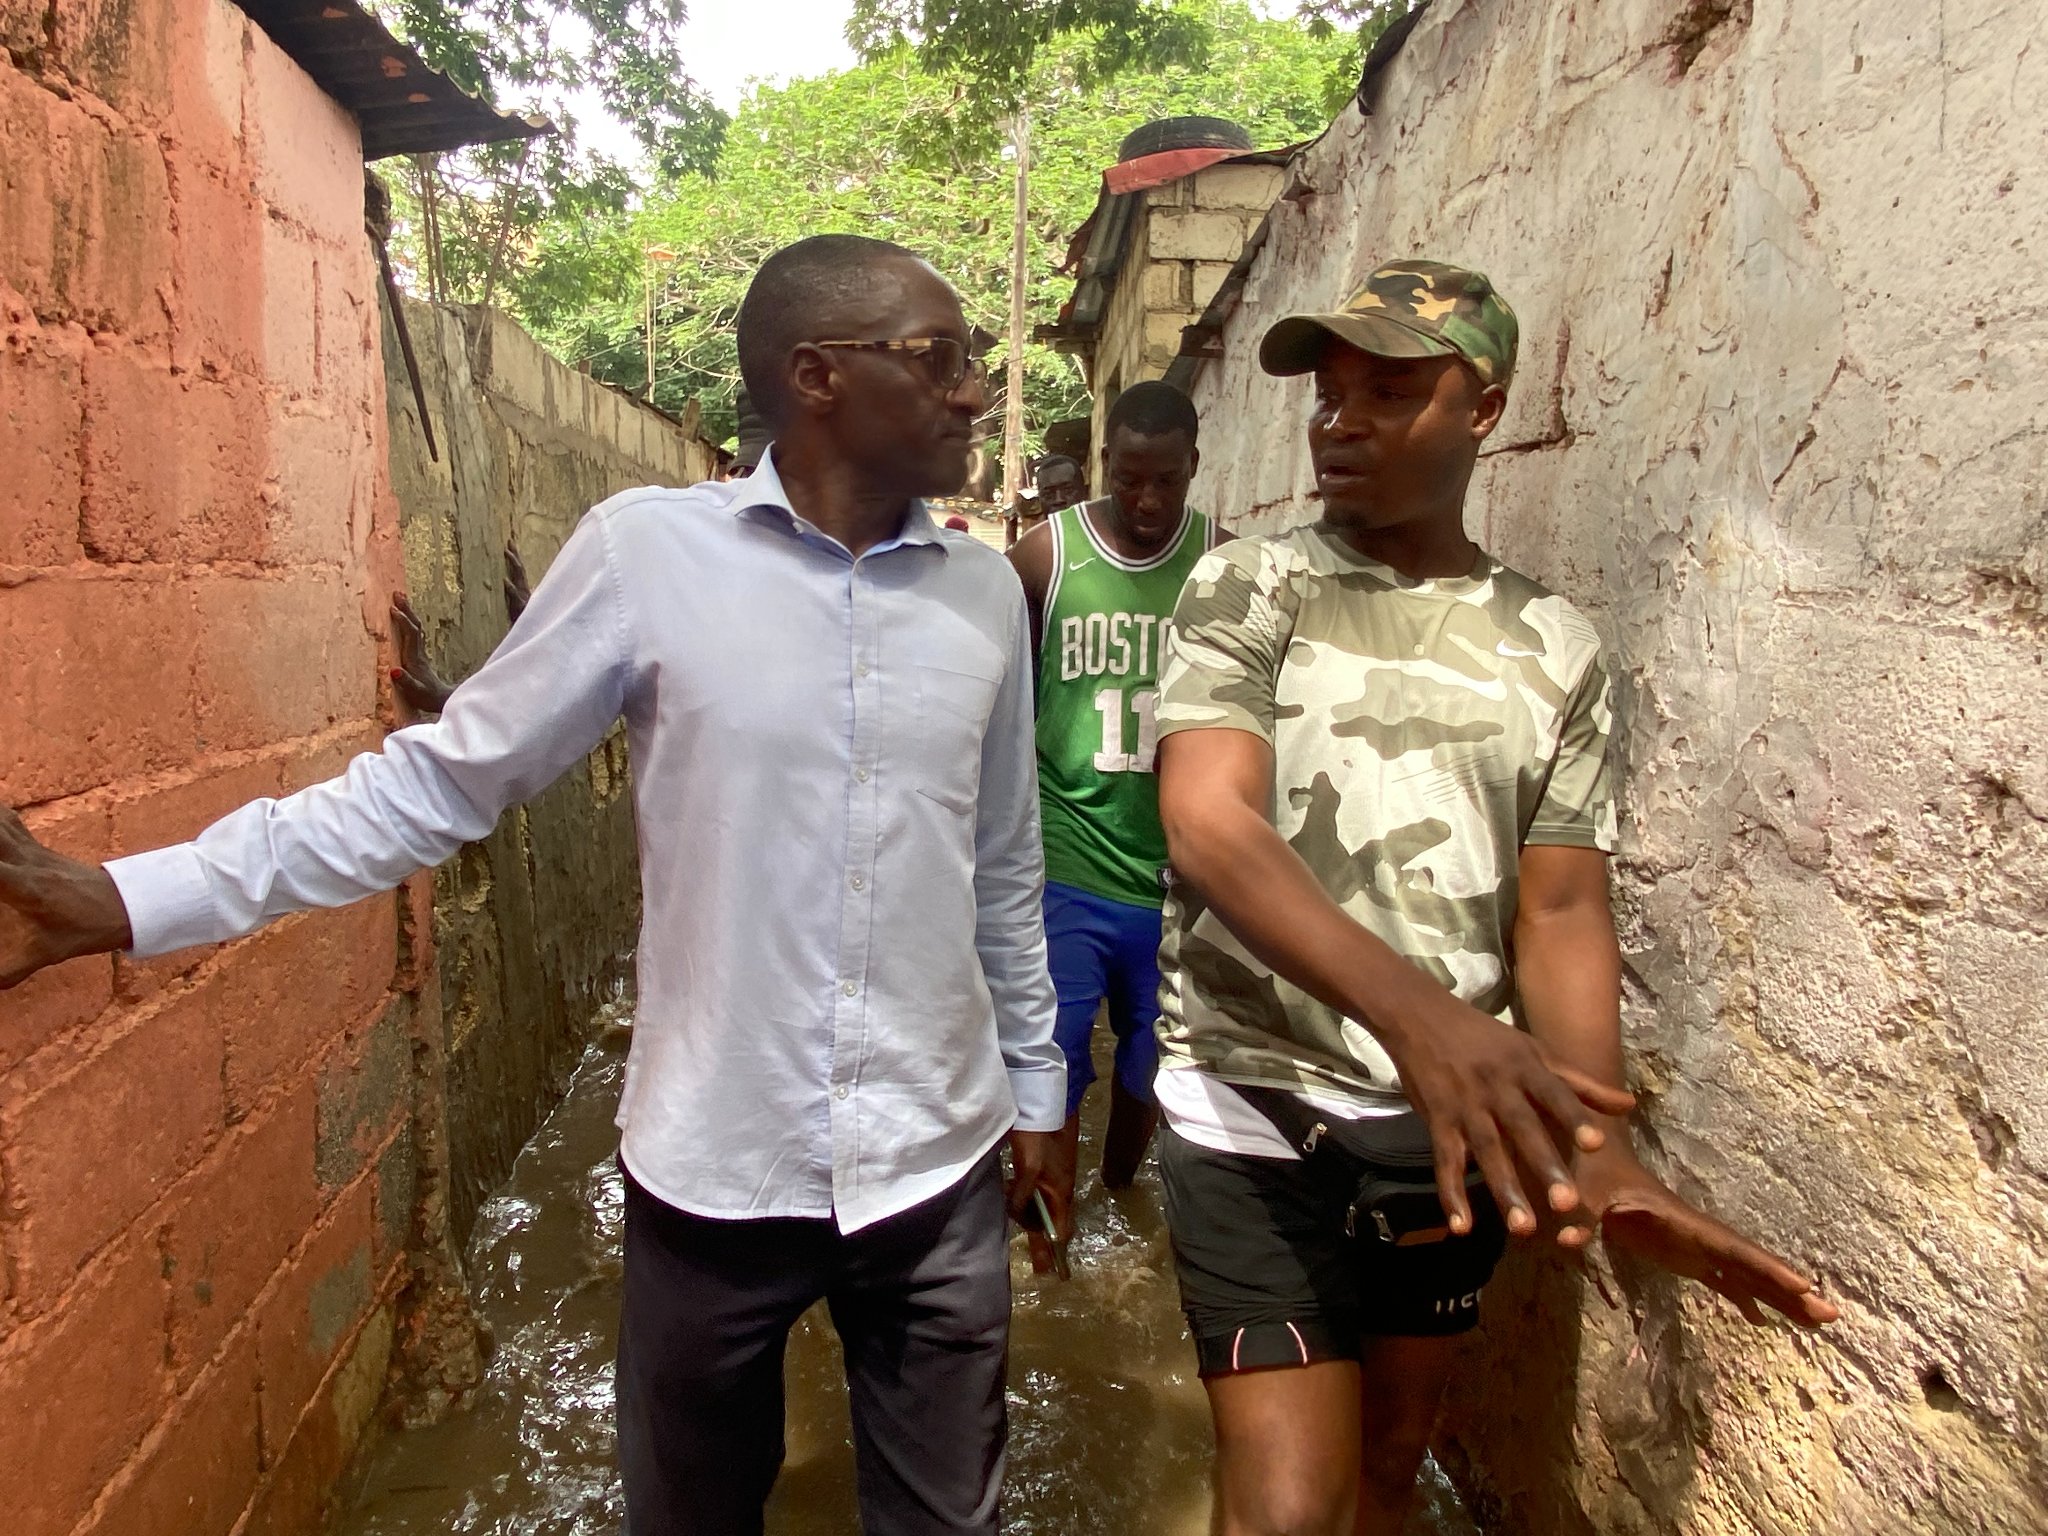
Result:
<point x="1109" y="1431"/>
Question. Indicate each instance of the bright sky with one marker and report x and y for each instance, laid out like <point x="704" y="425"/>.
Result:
<point x="726" y="43"/>
<point x="730" y="42"/>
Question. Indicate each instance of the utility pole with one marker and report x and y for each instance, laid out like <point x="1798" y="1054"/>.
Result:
<point x="1013" y="394"/>
<point x="656" y="255"/>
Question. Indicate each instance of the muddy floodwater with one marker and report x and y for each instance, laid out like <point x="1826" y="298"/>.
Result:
<point x="1109" y="1431"/>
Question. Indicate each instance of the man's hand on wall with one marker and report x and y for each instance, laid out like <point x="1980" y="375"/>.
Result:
<point x="51" y="908"/>
<point x="518" y="592"/>
<point x="1640" y="1214"/>
<point x="414" y="677"/>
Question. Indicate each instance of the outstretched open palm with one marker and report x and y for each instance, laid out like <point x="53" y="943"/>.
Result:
<point x="1643" y="1216"/>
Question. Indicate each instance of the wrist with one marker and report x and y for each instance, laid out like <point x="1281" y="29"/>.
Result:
<point x="101" y="923"/>
<point x="1602" y="1174"/>
<point x="1399" y="1003"/>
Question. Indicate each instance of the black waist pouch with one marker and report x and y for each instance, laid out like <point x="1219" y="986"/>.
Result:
<point x="1395" y="1199"/>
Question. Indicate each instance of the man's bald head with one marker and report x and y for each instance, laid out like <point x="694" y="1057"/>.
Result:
<point x="813" y="290"/>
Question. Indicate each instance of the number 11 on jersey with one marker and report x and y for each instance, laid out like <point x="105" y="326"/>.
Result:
<point x="1144" y="703"/>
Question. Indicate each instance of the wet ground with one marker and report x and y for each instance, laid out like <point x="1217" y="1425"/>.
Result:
<point x="1109" y="1428"/>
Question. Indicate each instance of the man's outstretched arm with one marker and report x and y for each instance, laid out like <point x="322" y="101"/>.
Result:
<point x="1568" y="972"/>
<point x="543" y="700"/>
<point x="1484" y="1090"/>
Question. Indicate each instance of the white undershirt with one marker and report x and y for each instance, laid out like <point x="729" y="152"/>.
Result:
<point x="1204" y="1109"/>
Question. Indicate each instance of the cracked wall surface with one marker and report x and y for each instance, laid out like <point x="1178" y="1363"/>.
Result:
<point x="1780" y="430"/>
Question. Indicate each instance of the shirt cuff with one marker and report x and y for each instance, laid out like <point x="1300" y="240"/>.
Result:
<point x="170" y="903"/>
<point x="1041" y="1094"/>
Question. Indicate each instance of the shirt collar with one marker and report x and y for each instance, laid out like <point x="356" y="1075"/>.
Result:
<point x="762" y="491"/>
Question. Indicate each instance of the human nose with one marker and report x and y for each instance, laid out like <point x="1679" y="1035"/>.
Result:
<point x="1343" y="418"/>
<point x="971" y="393"/>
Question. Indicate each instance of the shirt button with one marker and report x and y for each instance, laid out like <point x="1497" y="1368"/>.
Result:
<point x="1418" y="650"/>
<point x="851" y="989"/>
<point x="839" y="1092"/>
<point x="861" y="774"/>
<point x="859" y="884"/>
<point x="863" y="669"/>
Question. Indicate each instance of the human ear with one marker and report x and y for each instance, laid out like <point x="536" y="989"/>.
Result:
<point x="1488" y="410"/>
<point x="813" y="382"/>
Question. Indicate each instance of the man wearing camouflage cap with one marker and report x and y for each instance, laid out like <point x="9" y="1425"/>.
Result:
<point x="1384" y="781"/>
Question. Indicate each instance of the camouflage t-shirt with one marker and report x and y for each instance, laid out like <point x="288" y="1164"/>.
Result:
<point x="1423" y="732"/>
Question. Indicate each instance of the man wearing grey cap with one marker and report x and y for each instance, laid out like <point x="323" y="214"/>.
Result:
<point x="1383" y="773"/>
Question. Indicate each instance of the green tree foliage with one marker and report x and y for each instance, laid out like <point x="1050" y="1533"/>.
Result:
<point x="831" y="154"/>
<point x="469" y="221"/>
<point x="1360" y="23"/>
<point x="992" y="47"/>
<point x="629" y="52"/>
<point x="993" y="44"/>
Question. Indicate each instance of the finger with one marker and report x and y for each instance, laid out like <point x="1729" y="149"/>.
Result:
<point x="1017" y="1197"/>
<point x="1491" y="1153"/>
<point x="1812" y="1310"/>
<point x="402" y="611"/>
<point x="1533" y="1143"/>
<point x="1450" y="1176"/>
<point x="1562" y="1106"/>
<point x="1783" y="1289"/>
<point x="15" y="838"/>
<point x="1041" y="1251"/>
<point x="419" y="693"/>
<point x="1593" y="1093"/>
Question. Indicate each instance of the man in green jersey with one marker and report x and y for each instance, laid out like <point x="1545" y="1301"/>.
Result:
<point x="1384" y="782"/>
<point x="1100" y="581"/>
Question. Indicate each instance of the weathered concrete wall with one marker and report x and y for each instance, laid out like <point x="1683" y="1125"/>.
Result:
<point x="205" y="1171"/>
<point x="1182" y="242"/>
<point x="1782" y="429"/>
<point x="533" y="926"/>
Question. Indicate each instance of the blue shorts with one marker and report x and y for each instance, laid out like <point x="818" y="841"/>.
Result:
<point x="1104" y="951"/>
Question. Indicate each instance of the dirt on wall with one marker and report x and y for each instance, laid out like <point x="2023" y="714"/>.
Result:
<point x="1779" y="428"/>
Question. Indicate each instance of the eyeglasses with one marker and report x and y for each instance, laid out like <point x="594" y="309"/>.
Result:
<point x="946" y="360"/>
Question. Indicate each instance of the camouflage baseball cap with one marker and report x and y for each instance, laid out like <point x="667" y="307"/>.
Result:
<point x="1406" y="309"/>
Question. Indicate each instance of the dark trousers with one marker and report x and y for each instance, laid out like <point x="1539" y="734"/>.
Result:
<point x="921" y="1303"/>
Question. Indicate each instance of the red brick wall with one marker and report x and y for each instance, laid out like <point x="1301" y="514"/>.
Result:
<point x="206" y="1183"/>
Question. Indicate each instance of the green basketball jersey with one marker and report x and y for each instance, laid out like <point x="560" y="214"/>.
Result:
<point x="1098" y="689"/>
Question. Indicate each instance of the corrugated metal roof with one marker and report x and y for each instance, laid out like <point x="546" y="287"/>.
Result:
<point x="403" y="105"/>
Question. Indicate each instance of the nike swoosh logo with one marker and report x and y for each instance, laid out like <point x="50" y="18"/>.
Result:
<point x="1079" y="563"/>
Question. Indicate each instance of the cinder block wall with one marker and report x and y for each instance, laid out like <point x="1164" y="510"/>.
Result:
<point x="205" y="1167"/>
<point x="1779" y="429"/>
<point x="535" y="925"/>
<point x="1182" y="243"/>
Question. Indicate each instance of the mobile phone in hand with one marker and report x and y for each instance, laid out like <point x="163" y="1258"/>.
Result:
<point x="1040" y="1216"/>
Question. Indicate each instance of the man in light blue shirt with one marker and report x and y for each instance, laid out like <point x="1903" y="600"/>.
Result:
<point x="843" y="999"/>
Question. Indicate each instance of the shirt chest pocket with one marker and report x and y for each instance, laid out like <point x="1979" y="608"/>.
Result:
<point x="952" y="708"/>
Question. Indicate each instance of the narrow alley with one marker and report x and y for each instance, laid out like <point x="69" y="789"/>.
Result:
<point x="1108" y="1429"/>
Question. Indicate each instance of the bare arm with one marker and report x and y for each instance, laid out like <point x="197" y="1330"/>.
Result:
<point x="1485" y="1090"/>
<point x="1568" y="964"/>
<point x="1031" y="557"/>
<point x="1568" y="971"/>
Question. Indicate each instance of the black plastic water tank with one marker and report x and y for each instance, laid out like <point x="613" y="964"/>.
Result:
<point x="1162" y="134"/>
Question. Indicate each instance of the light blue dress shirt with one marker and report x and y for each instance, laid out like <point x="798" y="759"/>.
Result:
<point x="843" y="995"/>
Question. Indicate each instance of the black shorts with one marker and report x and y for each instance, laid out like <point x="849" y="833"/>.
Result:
<point x="1269" y="1276"/>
